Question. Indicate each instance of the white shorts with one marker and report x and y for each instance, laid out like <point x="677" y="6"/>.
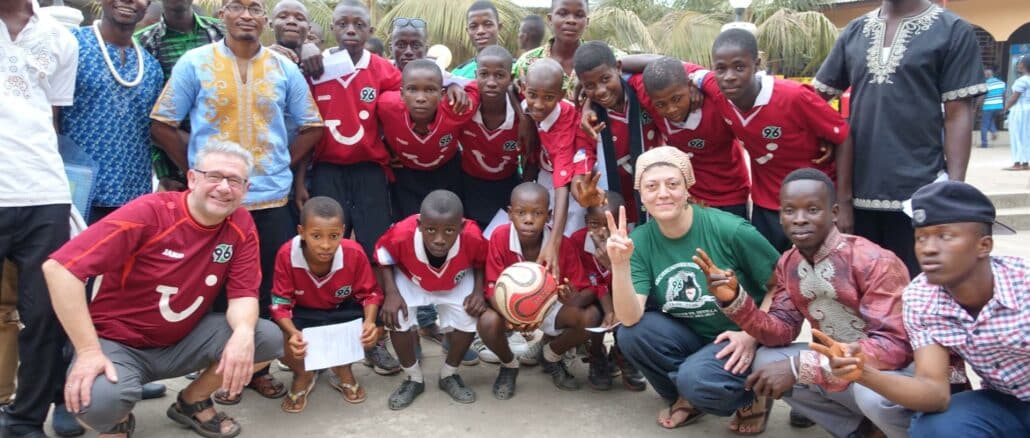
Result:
<point x="576" y="217"/>
<point x="547" y="325"/>
<point x="450" y="305"/>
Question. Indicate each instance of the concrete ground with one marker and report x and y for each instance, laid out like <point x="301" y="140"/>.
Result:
<point x="539" y="409"/>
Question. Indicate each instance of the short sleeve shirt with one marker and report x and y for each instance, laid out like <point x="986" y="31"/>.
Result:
<point x="206" y="88"/>
<point x="158" y="270"/>
<point x="661" y="268"/>
<point x="295" y="286"/>
<point x="37" y="72"/>
<point x="122" y="149"/>
<point x="168" y="45"/>
<point x="403" y="248"/>
<point x="995" y="343"/>
<point x="896" y="96"/>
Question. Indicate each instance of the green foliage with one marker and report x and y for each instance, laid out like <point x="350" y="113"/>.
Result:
<point x="687" y="35"/>
<point x="621" y="29"/>
<point x="795" y="43"/>
<point x="649" y="11"/>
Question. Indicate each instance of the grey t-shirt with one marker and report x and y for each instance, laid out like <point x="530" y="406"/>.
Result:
<point x="897" y="91"/>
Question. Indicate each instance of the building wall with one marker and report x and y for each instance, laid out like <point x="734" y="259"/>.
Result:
<point x="1000" y="18"/>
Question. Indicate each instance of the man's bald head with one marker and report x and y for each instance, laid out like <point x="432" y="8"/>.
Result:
<point x="545" y="73"/>
<point x="292" y="4"/>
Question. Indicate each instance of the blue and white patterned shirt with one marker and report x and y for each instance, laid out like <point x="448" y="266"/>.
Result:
<point x="111" y="122"/>
<point x="995" y="99"/>
<point x="996" y="343"/>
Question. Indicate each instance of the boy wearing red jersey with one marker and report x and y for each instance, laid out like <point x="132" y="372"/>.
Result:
<point x="489" y="142"/>
<point x="565" y="155"/>
<point x="721" y="173"/>
<point x="521" y="240"/>
<point x="321" y="279"/>
<point x="590" y="244"/>
<point x="783" y="124"/>
<point x="433" y="258"/>
<point x="422" y="129"/>
<point x="625" y="130"/>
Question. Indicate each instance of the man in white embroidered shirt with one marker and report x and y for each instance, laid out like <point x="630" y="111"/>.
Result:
<point x="37" y="69"/>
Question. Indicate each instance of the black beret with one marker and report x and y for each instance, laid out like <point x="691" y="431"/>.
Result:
<point x="948" y="202"/>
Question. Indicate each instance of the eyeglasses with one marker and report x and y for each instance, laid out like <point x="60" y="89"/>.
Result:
<point x="255" y="10"/>
<point x="213" y="177"/>
<point x="400" y="22"/>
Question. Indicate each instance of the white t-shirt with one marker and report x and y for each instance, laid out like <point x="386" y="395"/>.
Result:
<point x="37" y="72"/>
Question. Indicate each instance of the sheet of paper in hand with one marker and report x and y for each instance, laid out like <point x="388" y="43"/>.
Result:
<point x="336" y="65"/>
<point x="333" y="345"/>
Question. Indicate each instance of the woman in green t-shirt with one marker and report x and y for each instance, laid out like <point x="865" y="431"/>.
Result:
<point x="674" y="331"/>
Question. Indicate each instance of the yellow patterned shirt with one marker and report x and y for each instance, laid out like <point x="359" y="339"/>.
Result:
<point x="206" y="86"/>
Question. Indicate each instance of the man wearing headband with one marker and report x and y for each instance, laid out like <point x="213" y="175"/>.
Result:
<point x="965" y="302"/>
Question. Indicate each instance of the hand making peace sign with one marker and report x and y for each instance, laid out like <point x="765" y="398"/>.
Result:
<point x="620" y="246"/>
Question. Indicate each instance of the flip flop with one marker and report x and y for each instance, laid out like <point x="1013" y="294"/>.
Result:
<point x="692" y="416"/>
<point x="745" y="418"/>
<point x="352" y="393"/>
<point x="295" y="403"/>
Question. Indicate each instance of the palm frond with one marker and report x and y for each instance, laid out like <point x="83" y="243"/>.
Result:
<point x="687" y="35"/>
<point x="795" y="43"/>
<point x="620" y="29"/>
<point x="445" y="23"/>
<point x="761" y="10"/>
<point x="703" y="6"/>
<point x="649" y="11"/>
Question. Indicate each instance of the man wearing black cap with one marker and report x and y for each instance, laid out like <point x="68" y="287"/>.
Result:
<point x="965" y="302"/>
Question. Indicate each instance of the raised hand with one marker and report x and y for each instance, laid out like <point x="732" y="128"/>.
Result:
<point x="846" y="360"/>
<point x="827" y="153"/>
<point x="587" y="192"/>
<point x="721" y="283"/>
<point x="619" y="245"/>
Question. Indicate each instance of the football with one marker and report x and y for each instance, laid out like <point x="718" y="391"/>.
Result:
<point x="524" y="292"/>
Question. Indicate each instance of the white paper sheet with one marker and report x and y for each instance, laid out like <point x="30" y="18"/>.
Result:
<point x="335" y="65"/>
<point x="603" y="329"/>
<point x="333" y="345"/>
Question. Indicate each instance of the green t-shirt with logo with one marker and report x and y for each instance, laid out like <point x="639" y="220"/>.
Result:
<point x="662" y="268"/>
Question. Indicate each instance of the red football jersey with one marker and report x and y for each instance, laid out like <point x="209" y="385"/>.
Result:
<point x="618" y="122"/>
<point x="294" y="285"/>
<point x="782" y="133"/>
<point x="505" y="250"/>
<point x="402" y="247"/>
<point x="348" y="105"/>
<point x="490" y="154"/>
<point x="599" y="276"/>
<point x="435" y="148"/>
<point x="565" y="150"/>
<point x="719" y="168"/>
<point x="158" y="270"/>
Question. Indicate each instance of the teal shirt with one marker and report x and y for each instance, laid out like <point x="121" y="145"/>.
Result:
<point x="466" y="70"/>
<point x="662" y="269"/>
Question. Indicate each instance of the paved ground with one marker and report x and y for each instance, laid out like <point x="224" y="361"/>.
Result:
<point x="539" y="409"/>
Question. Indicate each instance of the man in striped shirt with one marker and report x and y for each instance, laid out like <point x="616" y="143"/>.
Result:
<point x="993" y="102"/>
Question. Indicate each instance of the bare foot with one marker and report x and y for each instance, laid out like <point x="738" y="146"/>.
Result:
<point x="677" y="415"/>
<point x="752" y="419"/>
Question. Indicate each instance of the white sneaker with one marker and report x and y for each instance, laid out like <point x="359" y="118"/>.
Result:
<point x="529" y="359"/>
<point x="518" y="344"/>
<point x="484" y="353"/>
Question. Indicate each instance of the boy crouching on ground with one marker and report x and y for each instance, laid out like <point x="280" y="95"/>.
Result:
<point x="322" y="279"/>
<point x="522" y="240"/>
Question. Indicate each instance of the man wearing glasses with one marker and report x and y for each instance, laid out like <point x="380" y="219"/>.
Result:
<point x="160" y="261"/>
<point x="235" y="90"/>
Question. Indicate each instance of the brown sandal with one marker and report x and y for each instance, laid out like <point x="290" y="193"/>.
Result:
<point x="747" y="414"/>
<point x="267" y="385"/>
<point x="692" y="416"/>
<point x="352" y="392"/>
<point x="295" y="403"/>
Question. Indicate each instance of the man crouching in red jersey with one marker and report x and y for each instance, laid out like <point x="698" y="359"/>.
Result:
<point x="159" y="263"/>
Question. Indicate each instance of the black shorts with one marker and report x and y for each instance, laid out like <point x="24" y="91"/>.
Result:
<point x="346" y="312"/>
<point x="412" y="186"/>
<point x="363" y="191"/>
<point x="482" y="198"/>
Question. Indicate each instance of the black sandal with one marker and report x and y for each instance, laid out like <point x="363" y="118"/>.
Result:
<point x="185" y="414"/>
<point x="127" y="427"/>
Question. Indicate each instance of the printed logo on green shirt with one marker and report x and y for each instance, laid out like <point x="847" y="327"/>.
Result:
<point x="684" y="293"/>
